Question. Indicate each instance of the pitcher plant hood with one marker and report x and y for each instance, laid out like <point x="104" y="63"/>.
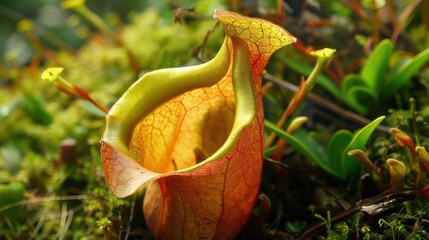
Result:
<point x="194" y="136"/>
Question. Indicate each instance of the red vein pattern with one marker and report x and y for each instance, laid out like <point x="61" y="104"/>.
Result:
<point x="215" y="200"/>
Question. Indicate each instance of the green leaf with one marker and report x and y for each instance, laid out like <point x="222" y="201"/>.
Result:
<point x="361" y="39"/>
<point x="402" y="76"/>
<point x="361" y="99"/>
<point x="340" y="9"/>
<point x="359" y="141"/>
<point x="309" y="140"/>
<point x="357" y="94"/>
<point x="295" y="226"/>
<point x="338" y="143"/>
<point x="301" y="147"/>
<point x="352" y="80"/>
<point x="338" y="163"/>
<point x="376" y="65"/>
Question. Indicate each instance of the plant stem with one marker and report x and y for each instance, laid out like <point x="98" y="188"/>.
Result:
<point x="311" y="80"/>
<point x="95" y="20"/>
<point x="421" y="178"/>
<point x="375" y="26"/>
<point x="403" y="19"/>
<point x="425" y="14"/>
<point x="106" y="233"/>
<point x="391" y="13"/>
<point x="369" y="167"/>
<point x="413" y="121"/>
<point x="267" y="87"/>
<point x="293" y="104"/>
<point x="324" y="57"/>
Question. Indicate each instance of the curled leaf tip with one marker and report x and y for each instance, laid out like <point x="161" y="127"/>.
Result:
<point x="397" y="170"/>
<point x="403" y="140"/>
<point x="423" y="158"/>
<point x="254" y="29"/>
<point x="262" y="37"/>
<point x="52" y="74"/>
<point x="296" y="123"/>
<point x="397" y="166"/>
<point x="363" y="158"/>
